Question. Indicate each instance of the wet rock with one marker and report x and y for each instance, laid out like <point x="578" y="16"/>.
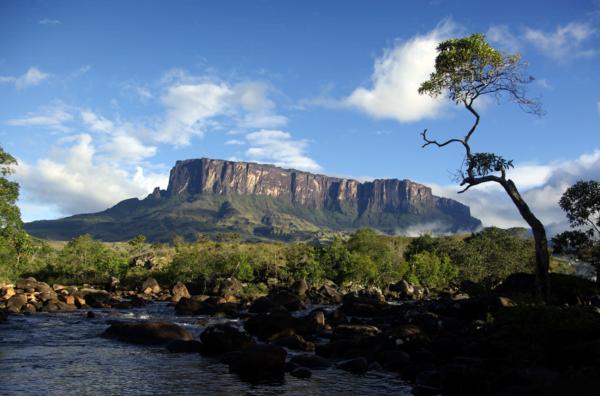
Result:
<point x="209" y="306"/>
<point x="265" y="305"/>
<point x="179" y="291"/>
<point x="183" y="346"/>
<point x="348" y="348"/>
<point x="16" y="302"/>
<point x="147" y="332"/>
<point x="150" y="286"/>
<point x="224" y="338"/>
<point x="358" y="365"/>
<point x="365" y="303"/>
<point x="294" y="342"/>
<point x="311" y="361"/>
<point x="96" y="298"/>
<point x="29" y="308"/>
<point x="47" y="295"/>
<point x="3" y="316"/>
<point x="259" y="362"/>
<point x="288" y="300"/>
<point x="353" y="330"/>
<point x="301" y="372"/>
<point x="299" y="288"/>
<point x="56" y="306"/>
<point x="90" y="315"/>
<point x="265" y="326"/>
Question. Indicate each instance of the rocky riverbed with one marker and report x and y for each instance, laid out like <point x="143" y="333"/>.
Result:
<point x="297" y="340"/>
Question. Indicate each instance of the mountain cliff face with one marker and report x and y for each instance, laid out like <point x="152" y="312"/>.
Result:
<point x="265" y="202"/>
<point x="202" y="176"/>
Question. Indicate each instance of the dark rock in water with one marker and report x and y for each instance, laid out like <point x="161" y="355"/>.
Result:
<point x="16" y="303"/>
<point x="299" y="288"/>
<point x="348" y="331"/>
<point x="209" y="306"/>
<point x="288" y="300"/>
<point x="394" y="360"/>
<point x="356" y="366"/>
<point x="301" y="372"/>
<point x="224" y="338"/>
<point x="295" y="342"/>
<point x="3" y="316"/>
<point x="349" y="347"/>
<point x="266" y="325"/>
<point x="98" y="299"/>
<point x="90" y="315"/>
<point x="147" y="332"/>
<point x="179" y="291"/>
<point x="259" y="363"/>
<point x="311" y="361"/>
<point x="181" y="346"/>
<point x="365" y="303"/>
<point x="265" y="305"/>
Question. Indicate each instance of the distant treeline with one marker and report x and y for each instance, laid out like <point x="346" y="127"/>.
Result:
<point x="364" y="258"/>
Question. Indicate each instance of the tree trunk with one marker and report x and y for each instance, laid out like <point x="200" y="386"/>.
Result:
<point x="542" y="257"/>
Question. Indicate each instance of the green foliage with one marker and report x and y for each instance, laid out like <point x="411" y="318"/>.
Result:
<point x="430" y="270"/>
<point x="581" y="202"/>
<point x="468" y="67"/>
<point x="483" y="164"/>
<point x="302" y="263"/>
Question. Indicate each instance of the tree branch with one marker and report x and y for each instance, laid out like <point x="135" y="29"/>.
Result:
<point x="428" y="141"/>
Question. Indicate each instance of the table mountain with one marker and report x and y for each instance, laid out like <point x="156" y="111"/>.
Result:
<point x="264" y="202"/>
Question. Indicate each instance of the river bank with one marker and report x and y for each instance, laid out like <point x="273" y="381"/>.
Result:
<point x="301" y="340"/>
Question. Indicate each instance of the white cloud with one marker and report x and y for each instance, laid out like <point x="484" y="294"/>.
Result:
<point x="95" y="122"/>
<point x="75" y="181"/>
<point x="50" y="22"/>
<point x="278" y="147"/>
<point x="541" y="186"/>
<point x="33" y="76"/>
<point x="235" y="142"/>
<point x="503" y="37"/>
<point x="195" y="106"/>
<point x="53" y="116"/>
<point x="564" y="43"/>
<point x="128" y="148"/>
<point x="397" y="76"/>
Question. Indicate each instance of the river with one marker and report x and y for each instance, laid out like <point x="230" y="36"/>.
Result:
<point x="62" y="354"/>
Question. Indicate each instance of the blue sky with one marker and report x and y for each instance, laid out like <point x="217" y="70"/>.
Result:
<point x="99" y="99"/>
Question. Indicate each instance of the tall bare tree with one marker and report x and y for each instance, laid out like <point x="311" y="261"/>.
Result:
<point x="467" y="69"/>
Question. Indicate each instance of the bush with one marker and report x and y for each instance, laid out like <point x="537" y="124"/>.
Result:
<point x="430" y="270"/>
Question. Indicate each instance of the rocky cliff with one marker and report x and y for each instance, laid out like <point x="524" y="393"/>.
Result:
<point x="210" y="176"/>
<point x="265" y="202"/>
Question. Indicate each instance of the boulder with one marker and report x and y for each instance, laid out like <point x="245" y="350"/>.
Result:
<point x="295" y="342"/>
<point x="8" y="292"/>
<point x="311" y="361"/>
<point x="288" y="300"/>
<point x="353" y="330"/>
<point x="265" y="326"/>
<point x="265" y="305"/>
<point x="148" y="332"/>
<point x="301" y="372"/>
<point x="150" y="286"/>
<point x="16" y="303"/>
<point x="358" y="365"/>
<point x="328" y="294"/>
<point x="208" y="306"/>
<point x="299" y="288"/>
<point x="405" y="289"/>
<point x="3" y="316"/>
<point x="113" y="283"/>
<point x="179" y="291"/>
<point x="230" y="287"/>
<point x="259" y="362"/>
<point x="222" y="338"/>
<point x="27" y="284"/>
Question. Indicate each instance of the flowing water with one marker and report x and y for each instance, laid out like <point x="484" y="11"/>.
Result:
<point x="62" y="354"/>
